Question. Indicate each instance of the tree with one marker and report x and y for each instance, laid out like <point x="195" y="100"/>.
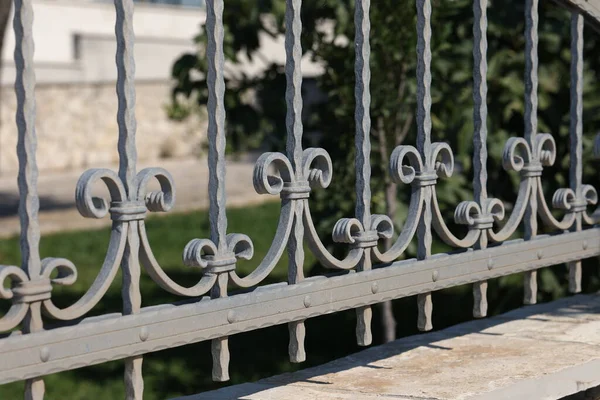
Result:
<point x="393" y="68"/>
<point x="393" y="63"/>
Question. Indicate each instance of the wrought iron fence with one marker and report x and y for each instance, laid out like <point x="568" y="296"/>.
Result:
<point x="41" y="350"/>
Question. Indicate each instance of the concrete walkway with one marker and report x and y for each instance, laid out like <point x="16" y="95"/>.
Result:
<point x="546" y="351"/>
<point x="57" y="194"/>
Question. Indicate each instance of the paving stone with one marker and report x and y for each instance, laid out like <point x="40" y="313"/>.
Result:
<point x="546" y="351"/>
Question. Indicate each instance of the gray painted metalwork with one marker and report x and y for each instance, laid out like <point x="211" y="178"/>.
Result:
<point x="531" y="103"/>
<point x="362" y="74"/>
<point x="130" y="265"/>
<point x="294" y="152"/>
<point x="576" y="167"/>
<point x="480" y="134"/>
<point x="33" y="283"/>
<point x="424" y="147"/>
<point x="112" y="337"/>
<point x="41" y="350"/>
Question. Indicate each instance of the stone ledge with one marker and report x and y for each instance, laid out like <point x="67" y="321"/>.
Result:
<point x="545" y="351"/>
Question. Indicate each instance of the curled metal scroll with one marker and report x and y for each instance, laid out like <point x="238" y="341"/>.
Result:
<point x="18" y="309"/>
<point x="39" y="289"/>
<point x="405" y="165"/>
<point x="90" y="207"/>
<point x="163" y="201"/>
<point x="283" y="183"/>
<point x="317" y="167"/>
<point x="319" y="175"/>
<point x="591" y="197"/>
<point x="442" y="162"/>
<point x="516" y="157"/>
<point x="544" y="151"/>
<point x="123" y="211"/>
<point x="273" y="174"/>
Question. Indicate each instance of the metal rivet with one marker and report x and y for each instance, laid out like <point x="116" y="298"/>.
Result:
<point x="143" y="334"/>
<point x="584" y="245"/>
<point x="434" y="276"/>
<point x="490" y="263"/>
<point x="306" y="301"/>
<point x="44" y="354"/>
<point x="540" y="254"/>
<point x="374" y="287"/>
<point x="231" y="316"/>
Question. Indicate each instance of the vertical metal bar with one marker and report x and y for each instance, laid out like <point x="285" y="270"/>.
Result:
<point x="216" y="164"/>
<point x="132" y="299"/>
<point x="293" y="97"/>
<point x="362" y="71"/>
<point x="576" y="133"/>
<point x="216" y="123"/>
<point x="29" y="201"/>
<point x="424" y="235"/>
<point x="480" y="135"/>
<point x="531" y="104"/>
<point x="220" y="346"/>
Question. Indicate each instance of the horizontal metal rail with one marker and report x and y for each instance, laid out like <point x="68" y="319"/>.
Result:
<point x="106" y="338"/>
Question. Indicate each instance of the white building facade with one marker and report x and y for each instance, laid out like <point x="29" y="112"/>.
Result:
<point x="76" y="74"/>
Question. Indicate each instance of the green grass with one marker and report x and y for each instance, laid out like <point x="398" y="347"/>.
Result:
<point x="254" y="355"/>
<point x="166" y="373"/>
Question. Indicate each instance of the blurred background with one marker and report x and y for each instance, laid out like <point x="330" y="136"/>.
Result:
<point x="76" y="127"/>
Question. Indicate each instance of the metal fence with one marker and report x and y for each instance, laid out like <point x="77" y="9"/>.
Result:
<point x="41" y="350"/>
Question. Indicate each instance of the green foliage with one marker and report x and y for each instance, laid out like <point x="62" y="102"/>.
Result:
<point x="328" y="29"/>
<point x="169" y="373"/>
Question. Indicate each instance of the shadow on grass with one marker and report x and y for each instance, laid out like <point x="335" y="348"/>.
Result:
<point x="257" y="354"/>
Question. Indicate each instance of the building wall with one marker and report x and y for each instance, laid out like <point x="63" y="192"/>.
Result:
<point x="77" y="128"/>
<point x="75" y="40"/>
<point x="75" y="71"/>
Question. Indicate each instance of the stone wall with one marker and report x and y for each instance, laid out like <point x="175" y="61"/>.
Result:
<point x="77" y="128"/>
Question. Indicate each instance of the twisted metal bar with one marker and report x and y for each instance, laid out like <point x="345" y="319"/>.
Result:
<point x="293" y="97"/>
<point x="362" y="116"/>
<point x="425" y="305"/>
<point x="480" y="101"/>
<point x="28" y="171"/>
<point x="576" y="132"/>
<point x="216" y="162"/>
<point x="531" y="102"/>
<point x="132" y="299"/>
<point x="480" y="138"/>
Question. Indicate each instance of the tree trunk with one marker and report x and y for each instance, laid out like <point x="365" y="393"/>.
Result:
<point x="387" y="314"/>
<point x="401" y="123"/>
<point x="388" y="322"/>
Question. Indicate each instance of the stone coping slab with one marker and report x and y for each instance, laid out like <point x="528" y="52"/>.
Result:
<point x="546" y="351"/>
